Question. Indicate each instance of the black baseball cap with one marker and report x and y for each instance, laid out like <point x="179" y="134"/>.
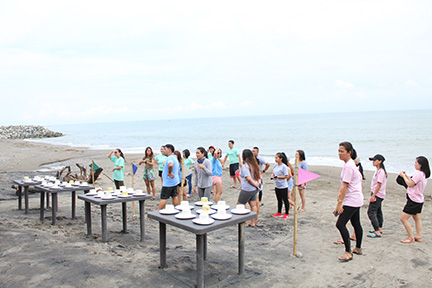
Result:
<point x="377" y="157"/>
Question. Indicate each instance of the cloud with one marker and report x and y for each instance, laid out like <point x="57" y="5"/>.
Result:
<point x="344" y="85"/>
<point x="411" y="83"/>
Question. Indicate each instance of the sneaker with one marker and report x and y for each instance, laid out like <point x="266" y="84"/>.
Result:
<point x="277" y="215"/>
<point x="285" y="216"/>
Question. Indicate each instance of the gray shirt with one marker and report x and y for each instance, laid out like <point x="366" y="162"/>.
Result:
<point x="261" y="162"/>
<point x="203" y="177"/>
<point x="280" y="170"/>
<point x="245" y="172"/>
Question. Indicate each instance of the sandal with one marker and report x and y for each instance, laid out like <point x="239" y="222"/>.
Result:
<point x="372" y="231"/>
<point x="418" y="239"/>
<point x="353" y="239"/>
<point x="338" y="242"/>
<point x="346" y="258"/>
<point x="357" y="251"/>
<point x="373" y="235"/>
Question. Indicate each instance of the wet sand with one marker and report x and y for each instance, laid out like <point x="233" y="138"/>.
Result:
<point x="38" y="254"/>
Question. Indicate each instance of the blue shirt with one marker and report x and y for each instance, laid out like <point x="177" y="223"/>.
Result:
<point x="217" y="167"/>
<point x="168" y="181"/>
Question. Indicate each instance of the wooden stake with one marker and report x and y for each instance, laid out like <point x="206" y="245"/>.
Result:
<point x="133" y="186"/>
<point x="295" y="208"/>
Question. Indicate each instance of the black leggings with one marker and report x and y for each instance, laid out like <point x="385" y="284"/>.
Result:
<point x="353" y="214"/>
<point x="282" y="195"/>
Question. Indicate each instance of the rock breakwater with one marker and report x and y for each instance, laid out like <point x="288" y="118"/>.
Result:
<point x="27" y="131"/>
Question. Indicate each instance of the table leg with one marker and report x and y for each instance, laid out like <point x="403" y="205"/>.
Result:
<point x="205" y="247"/>
<point x="142" y="223"/>
<point x="42" y="205"/>
<point x="54" y="207"/>
<point x="19" y="197"/>
<point x="26" y="199"/>
<point x="124" y="216"/>
<point x="48" y="200"/>
<point x="162" y="244"/>
<point x="241" y="247"/>
<point x="104" y="223"/>
<point x="73" y="204"/>
<point x="88" y="217"/>
<point x="200" y="259"/>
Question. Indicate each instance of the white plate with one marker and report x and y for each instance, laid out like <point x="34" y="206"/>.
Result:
<point x="141" y="194"/>
<point x="219" y="217"/>
<point x="108" y="198"/>
<point x="181" y="216"/>
<point x="168" y="212"/>
<point x="200" y="222"/>
<point x="216" y="206"/>
<point x="236" y="211"/>
<point x="91" y="194"/>
<point x="127" y="196"/>
<point x="199" y="203"/>
<point x="210" y="212"/>
<point x="179" y="207"/>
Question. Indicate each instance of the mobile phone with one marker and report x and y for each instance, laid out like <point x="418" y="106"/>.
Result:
<point x="335" y="213"/>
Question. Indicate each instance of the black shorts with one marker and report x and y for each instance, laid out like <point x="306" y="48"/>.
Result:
<point x="168" y="192"/>
<point x="411" y="207"/>
<point x="184" y="183"/>
<point x="160" y="173"/>
<point x="234" y="170"/>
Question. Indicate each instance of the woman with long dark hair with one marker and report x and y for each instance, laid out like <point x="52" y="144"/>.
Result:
<point x="300" y="155"/>
<point x="217" y="173"/>
<point x="281" y="175"/>
<point x="118" y="170"/>
<point x="415" y="198"/>
<point x="203" y="174"/>
<point x="378" y="192"/>
<point x="349" y="201"/>
<point x="250" y="180"/>
<point x="188" y="162"/>
<point x="149" y="175"/>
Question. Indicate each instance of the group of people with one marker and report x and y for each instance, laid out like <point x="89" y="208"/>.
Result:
<point x="350" y="199"/>
<point x="248" y="168"/>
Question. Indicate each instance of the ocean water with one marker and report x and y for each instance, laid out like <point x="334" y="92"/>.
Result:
<point x="399" y="135"/>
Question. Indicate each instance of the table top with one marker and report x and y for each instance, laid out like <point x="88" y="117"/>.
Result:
<point x="63" y="189"/>
<point x="27" y="183"/>
<point x="100" y="201"/>
<point x="188" y="225"/>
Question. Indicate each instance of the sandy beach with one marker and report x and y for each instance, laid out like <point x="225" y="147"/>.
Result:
<point x="38" y="254"/>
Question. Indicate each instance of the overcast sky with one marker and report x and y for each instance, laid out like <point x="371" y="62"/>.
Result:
<point x="101" y="61"/>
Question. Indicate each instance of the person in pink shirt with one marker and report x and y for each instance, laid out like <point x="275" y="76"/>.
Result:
<point x="378" y="192"/>
<point x="415" y="198"/>
<point x="349" y="201"/>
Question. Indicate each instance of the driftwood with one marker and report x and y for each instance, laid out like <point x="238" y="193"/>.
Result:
<point x="82" y="176"/>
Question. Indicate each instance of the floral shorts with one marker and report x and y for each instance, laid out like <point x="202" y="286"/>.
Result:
<point x="149" y="175"/>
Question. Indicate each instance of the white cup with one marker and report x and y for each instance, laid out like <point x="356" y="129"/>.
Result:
<point x="240" y="207"/>
<point x="92" y="191"/>
<point x="221" y="211"/>
<point x="186" y="211"/>
<point x="221" y="204"/>
<point x="100" y="193"/>
<point x="204" y="216"/>
<point x="108" y="194"/>
<point x="139" y="191"/>
<point x="184" y="204"/>
<point x="169" y="207"/>
<point x="84" y="183"/>
<point x="122" y="188"/>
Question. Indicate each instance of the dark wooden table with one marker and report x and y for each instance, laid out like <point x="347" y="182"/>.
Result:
<point x="201" y="237"/>
<point x="54" y="201"/>
<point x="103" y="205"/>
<point x="24" y="186"/>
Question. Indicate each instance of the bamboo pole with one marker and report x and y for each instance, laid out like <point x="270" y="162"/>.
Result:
<point x="295" y="208"/>
<point x="182" y="182"/>
<point x="93" y="171"/>
<point x="133" y="186"/>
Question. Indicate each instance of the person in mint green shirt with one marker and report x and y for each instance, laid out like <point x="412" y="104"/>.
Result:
<point x="160" y="160"/>
<point x="235" y="162"/>
<point x="189" y="163"/>
<point x="118" y="170"/>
